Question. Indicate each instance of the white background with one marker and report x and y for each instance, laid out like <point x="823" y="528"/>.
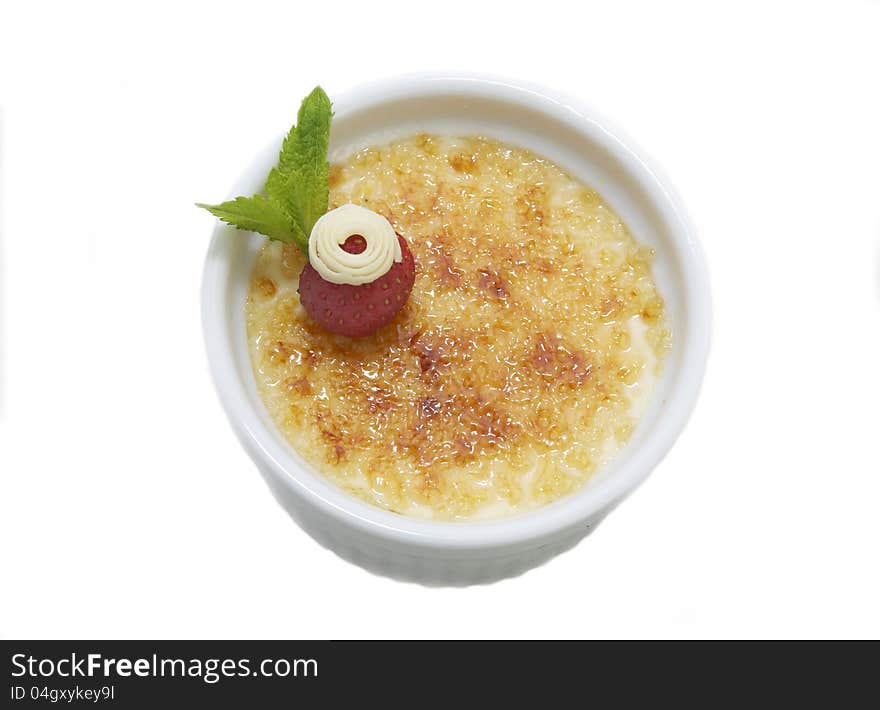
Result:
<point x="127" y="507"/>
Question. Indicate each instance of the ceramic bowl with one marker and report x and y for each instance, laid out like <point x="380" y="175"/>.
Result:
<point x="456" y="553"/>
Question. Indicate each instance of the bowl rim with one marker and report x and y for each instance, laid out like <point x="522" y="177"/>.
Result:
<point x="533" y="527"/>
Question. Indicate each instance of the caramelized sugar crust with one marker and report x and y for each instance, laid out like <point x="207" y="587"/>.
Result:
<point x="520" y="363"/>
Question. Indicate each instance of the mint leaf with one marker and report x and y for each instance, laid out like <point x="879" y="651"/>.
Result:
<point x="259" y="214"/>
<point x="297" y="188"/>
<point x="300" y="181"/>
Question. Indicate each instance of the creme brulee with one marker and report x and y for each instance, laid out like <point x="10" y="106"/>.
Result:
<point x="521" y="362"/>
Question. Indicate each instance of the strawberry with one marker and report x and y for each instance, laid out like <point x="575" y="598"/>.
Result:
<point x="360" y="310"/>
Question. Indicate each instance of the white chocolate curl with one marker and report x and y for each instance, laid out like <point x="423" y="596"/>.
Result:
<point x="336" y="265"/>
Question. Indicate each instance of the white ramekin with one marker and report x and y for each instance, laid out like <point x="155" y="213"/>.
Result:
<point x="573" y="137"/>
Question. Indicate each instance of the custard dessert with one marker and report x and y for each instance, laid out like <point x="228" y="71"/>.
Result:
<point x="520" y="363"/>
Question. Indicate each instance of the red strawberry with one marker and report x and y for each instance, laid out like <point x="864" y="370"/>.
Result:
<point x="356" y="311"/>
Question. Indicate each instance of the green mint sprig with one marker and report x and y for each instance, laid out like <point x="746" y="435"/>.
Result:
<point x="297" y="188"/>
